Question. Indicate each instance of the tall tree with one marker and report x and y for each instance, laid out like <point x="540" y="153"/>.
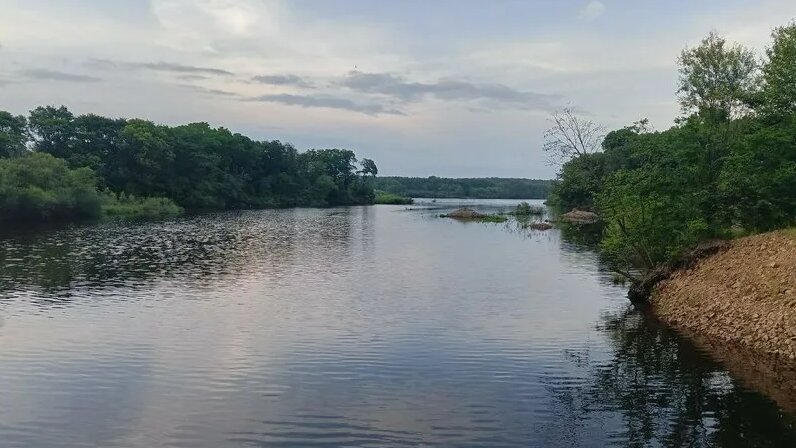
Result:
<point x="716" y="78"/>
<point x="779" y="72"/>
<point x="368" y="167"/>
<point x="13" y="130"/>
<point x="52" y="130"/>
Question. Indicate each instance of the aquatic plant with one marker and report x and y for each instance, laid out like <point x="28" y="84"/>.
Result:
<point x="383" y="197"/>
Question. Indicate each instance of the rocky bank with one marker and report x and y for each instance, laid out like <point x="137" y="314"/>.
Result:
<point x="743" y="296"/>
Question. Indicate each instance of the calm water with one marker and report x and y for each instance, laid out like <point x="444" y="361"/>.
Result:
<point x="367" y="326"/>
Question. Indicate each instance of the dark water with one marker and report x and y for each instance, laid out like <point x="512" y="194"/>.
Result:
<point x="366" y="326"/>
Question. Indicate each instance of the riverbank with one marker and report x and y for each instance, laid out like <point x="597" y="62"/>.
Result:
<point x="744" y="296"/>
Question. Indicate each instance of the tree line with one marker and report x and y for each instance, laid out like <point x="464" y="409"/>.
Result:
<point x="476" y="188"/>
<point x="54" y="164"/>
<point x="726" y="167"/>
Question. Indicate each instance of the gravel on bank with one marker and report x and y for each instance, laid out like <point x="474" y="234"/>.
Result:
<point x="745" y="295"/>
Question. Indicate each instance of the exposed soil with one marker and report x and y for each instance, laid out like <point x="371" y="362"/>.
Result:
<point x="540" y="226"/>
<point x="576" y="216"/>
<point x="745" y="295"/>
<point x="465" y="213"/>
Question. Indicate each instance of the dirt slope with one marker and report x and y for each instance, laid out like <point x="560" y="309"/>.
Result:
<point x="745" y="296"/>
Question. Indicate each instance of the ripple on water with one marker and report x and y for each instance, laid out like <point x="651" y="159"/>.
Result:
<point x="343" y="327"/>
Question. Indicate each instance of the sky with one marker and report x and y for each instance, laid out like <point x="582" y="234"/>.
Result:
<point x="446" y="87"/>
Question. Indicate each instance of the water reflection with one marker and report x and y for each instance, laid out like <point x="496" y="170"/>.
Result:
<point x="669" y="393"/>
<point x="51" y="266"/>
<point x="369" y="326"/>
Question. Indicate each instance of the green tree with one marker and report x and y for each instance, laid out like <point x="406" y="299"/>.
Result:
<point x="13" y="130"/>
<point x="716" y="78"/>
<point x="38" y="187"/>
<point x="779" y="73"/>
<point x="194" y="165"/>
<point x="579" y="181"/>
<point x="52" y="130"/>
<point x="368" y="168"/>
<point x="94" y="139"/>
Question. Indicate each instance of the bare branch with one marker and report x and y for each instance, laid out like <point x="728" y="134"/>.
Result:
<point x="571" y="136"/>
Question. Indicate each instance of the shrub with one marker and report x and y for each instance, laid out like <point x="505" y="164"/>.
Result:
<point x="38" y="187"/>
<point x="525" y="209"/>
<point x="383" y="197"/>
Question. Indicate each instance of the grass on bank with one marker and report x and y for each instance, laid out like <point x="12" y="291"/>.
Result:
<point x="382" y="197"/>
<point x="129" y="206"/>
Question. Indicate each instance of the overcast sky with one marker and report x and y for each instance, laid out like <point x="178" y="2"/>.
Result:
<point x="442" y="87"/>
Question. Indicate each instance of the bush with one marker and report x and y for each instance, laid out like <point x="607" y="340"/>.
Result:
<point x="129" y="206"/>
<point x="525" y="209"/>
<point x="382" y="197"/>
<point x="38" y="187"/>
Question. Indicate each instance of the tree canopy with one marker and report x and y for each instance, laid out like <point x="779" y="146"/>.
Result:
<point x="727" y="166"/>
<point x="195" y="165"/>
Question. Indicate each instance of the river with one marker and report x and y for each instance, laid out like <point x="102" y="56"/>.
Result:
<point x="360" y="326"/>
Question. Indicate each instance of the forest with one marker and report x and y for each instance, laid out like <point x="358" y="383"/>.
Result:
<point x="58" y="166"/>
<point x="476" y="188"/>
<point x="727" y="167"/>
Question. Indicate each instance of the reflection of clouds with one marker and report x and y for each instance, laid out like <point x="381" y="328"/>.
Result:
<point x="94" y="394"/>
<point x="342" y="326"/>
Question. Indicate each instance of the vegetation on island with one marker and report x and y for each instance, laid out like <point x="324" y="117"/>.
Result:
<point x="474" y="188"/>
<point x="383" y="197"/>
<point x="58" y="166"/>
<point x="727" y="167"/>
<point x="468" y="214"/>
<point x="525" y="209"/>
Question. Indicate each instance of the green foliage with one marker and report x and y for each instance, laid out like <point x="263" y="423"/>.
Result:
<point x="727" y="168"/>
<point x="525" y="209"/>
<point x="758" y="182"/>
<point x="651" y="217"/>
<point x="39" y="187"/>
<point x="477" y="188"/>
<point x="715" y="77"/>
<point x="382" y="197"/>
<point x="579" y="181"/>
<point x="13" y="136"/>
<point x="129" y="206"/>
<point x="52" y="130"/>
<point x="779" y="73"/>
<point x="194" y="165"/>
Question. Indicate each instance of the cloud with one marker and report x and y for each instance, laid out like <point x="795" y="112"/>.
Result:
<point x="193" y="77"/>
<point x="591" y="11"/>
<point x="54" y="75"/>
<point x="283" y="80"/>
<point x="179" y="68"/>
<point x="170" y="67"/>
<point x="329" y="102"/>
<point x="446" y="90"/>
<point x="209" y="91"/>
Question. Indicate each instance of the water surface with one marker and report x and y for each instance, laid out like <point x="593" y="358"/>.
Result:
<point x="361" y="326"/>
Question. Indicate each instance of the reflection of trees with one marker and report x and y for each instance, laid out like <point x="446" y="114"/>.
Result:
<point x="585" y="236"/>
<point x="58" y="264"/>
<point x="670" y="394"/>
